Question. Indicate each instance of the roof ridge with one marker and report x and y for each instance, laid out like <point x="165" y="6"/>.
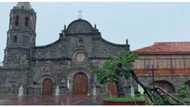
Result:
<point x="185" y="42"/>
<point x="166" y="47"/>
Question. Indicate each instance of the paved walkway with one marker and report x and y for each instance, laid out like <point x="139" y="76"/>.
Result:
<point x="51" y="100"/>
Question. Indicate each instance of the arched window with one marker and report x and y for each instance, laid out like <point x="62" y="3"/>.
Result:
<point x="17" y="20"/>
<point x="15" y="39"/>
<point x="166" y="85"/>
<point x="26" y="21"/>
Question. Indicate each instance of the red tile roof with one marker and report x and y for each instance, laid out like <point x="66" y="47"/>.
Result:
<point x="166" y="48"/>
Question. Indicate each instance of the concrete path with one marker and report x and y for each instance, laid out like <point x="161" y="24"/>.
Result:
<point x="51" y="100"/>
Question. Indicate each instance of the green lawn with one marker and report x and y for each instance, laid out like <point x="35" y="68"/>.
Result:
<point x="186" y="100"/>
<point x="125" y="99"/>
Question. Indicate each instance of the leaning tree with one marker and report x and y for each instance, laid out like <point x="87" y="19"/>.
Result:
<point x="115" y="69"/>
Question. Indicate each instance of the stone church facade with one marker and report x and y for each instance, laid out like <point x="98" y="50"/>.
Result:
<point x="68" y="64"/>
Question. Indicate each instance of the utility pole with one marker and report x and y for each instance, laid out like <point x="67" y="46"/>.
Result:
<point x="150" y="67"/>
<point x="153" y="76"/>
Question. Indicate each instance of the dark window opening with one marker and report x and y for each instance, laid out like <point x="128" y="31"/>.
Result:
<point x="15" y="39"/>
<point x="35" y="83"/>
<point x="26" y="21"/>
<point x="17" y="20"/>
<point x="80" y="40"/>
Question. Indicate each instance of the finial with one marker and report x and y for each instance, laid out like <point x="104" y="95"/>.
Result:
<point x="80" y="14"/>
<point x="95" y="26"/>
<point x="127" y="42"/>
<point x="65" y="27"/>
<point x="60" y="34"/>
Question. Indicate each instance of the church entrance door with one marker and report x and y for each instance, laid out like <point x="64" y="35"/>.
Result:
<point x="47" y="87"/>
<point x="80" y="85"/>
<point x="112" y="89"/>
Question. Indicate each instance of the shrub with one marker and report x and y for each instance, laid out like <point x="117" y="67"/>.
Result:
<point x="183" y="91"/>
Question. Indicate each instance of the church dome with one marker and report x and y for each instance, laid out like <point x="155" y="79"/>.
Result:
<point x="80" y="26"/>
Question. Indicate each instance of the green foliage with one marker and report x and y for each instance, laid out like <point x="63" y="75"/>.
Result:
<point x="183" y="91"/>
<point x="162" y="101"/>
<point x="107" y="73"/>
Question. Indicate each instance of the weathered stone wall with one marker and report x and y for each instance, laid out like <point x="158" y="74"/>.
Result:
<point x="11" y="80"/>
<point x="55" y="50"/>
<point x="55" y="70"/>
<point x="104" y="48"/>
<point x="17" y="58"/>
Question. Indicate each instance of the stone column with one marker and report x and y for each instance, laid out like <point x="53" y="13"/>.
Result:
<point x="94" y="86"/>
<point x="132" y="88"/>
<point x="69" y="87"/>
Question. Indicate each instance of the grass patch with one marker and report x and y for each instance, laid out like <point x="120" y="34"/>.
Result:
<point x="186" y="99"/>
<point x="125" y="99"/>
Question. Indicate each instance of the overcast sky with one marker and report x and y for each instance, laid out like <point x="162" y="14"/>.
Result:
<point x="141" y="23"/>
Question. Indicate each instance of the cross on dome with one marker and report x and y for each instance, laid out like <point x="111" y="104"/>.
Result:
<point x="80" y="14"/>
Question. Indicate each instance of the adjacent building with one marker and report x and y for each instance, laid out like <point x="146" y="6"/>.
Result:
<point x="166" y="64"/>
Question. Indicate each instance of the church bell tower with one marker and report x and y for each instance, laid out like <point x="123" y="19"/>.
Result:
<point x="21" y="35"/>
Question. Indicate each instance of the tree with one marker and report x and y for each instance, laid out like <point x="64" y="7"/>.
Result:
<point x="183" y="91"/>
<point x="115" y="67"/>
